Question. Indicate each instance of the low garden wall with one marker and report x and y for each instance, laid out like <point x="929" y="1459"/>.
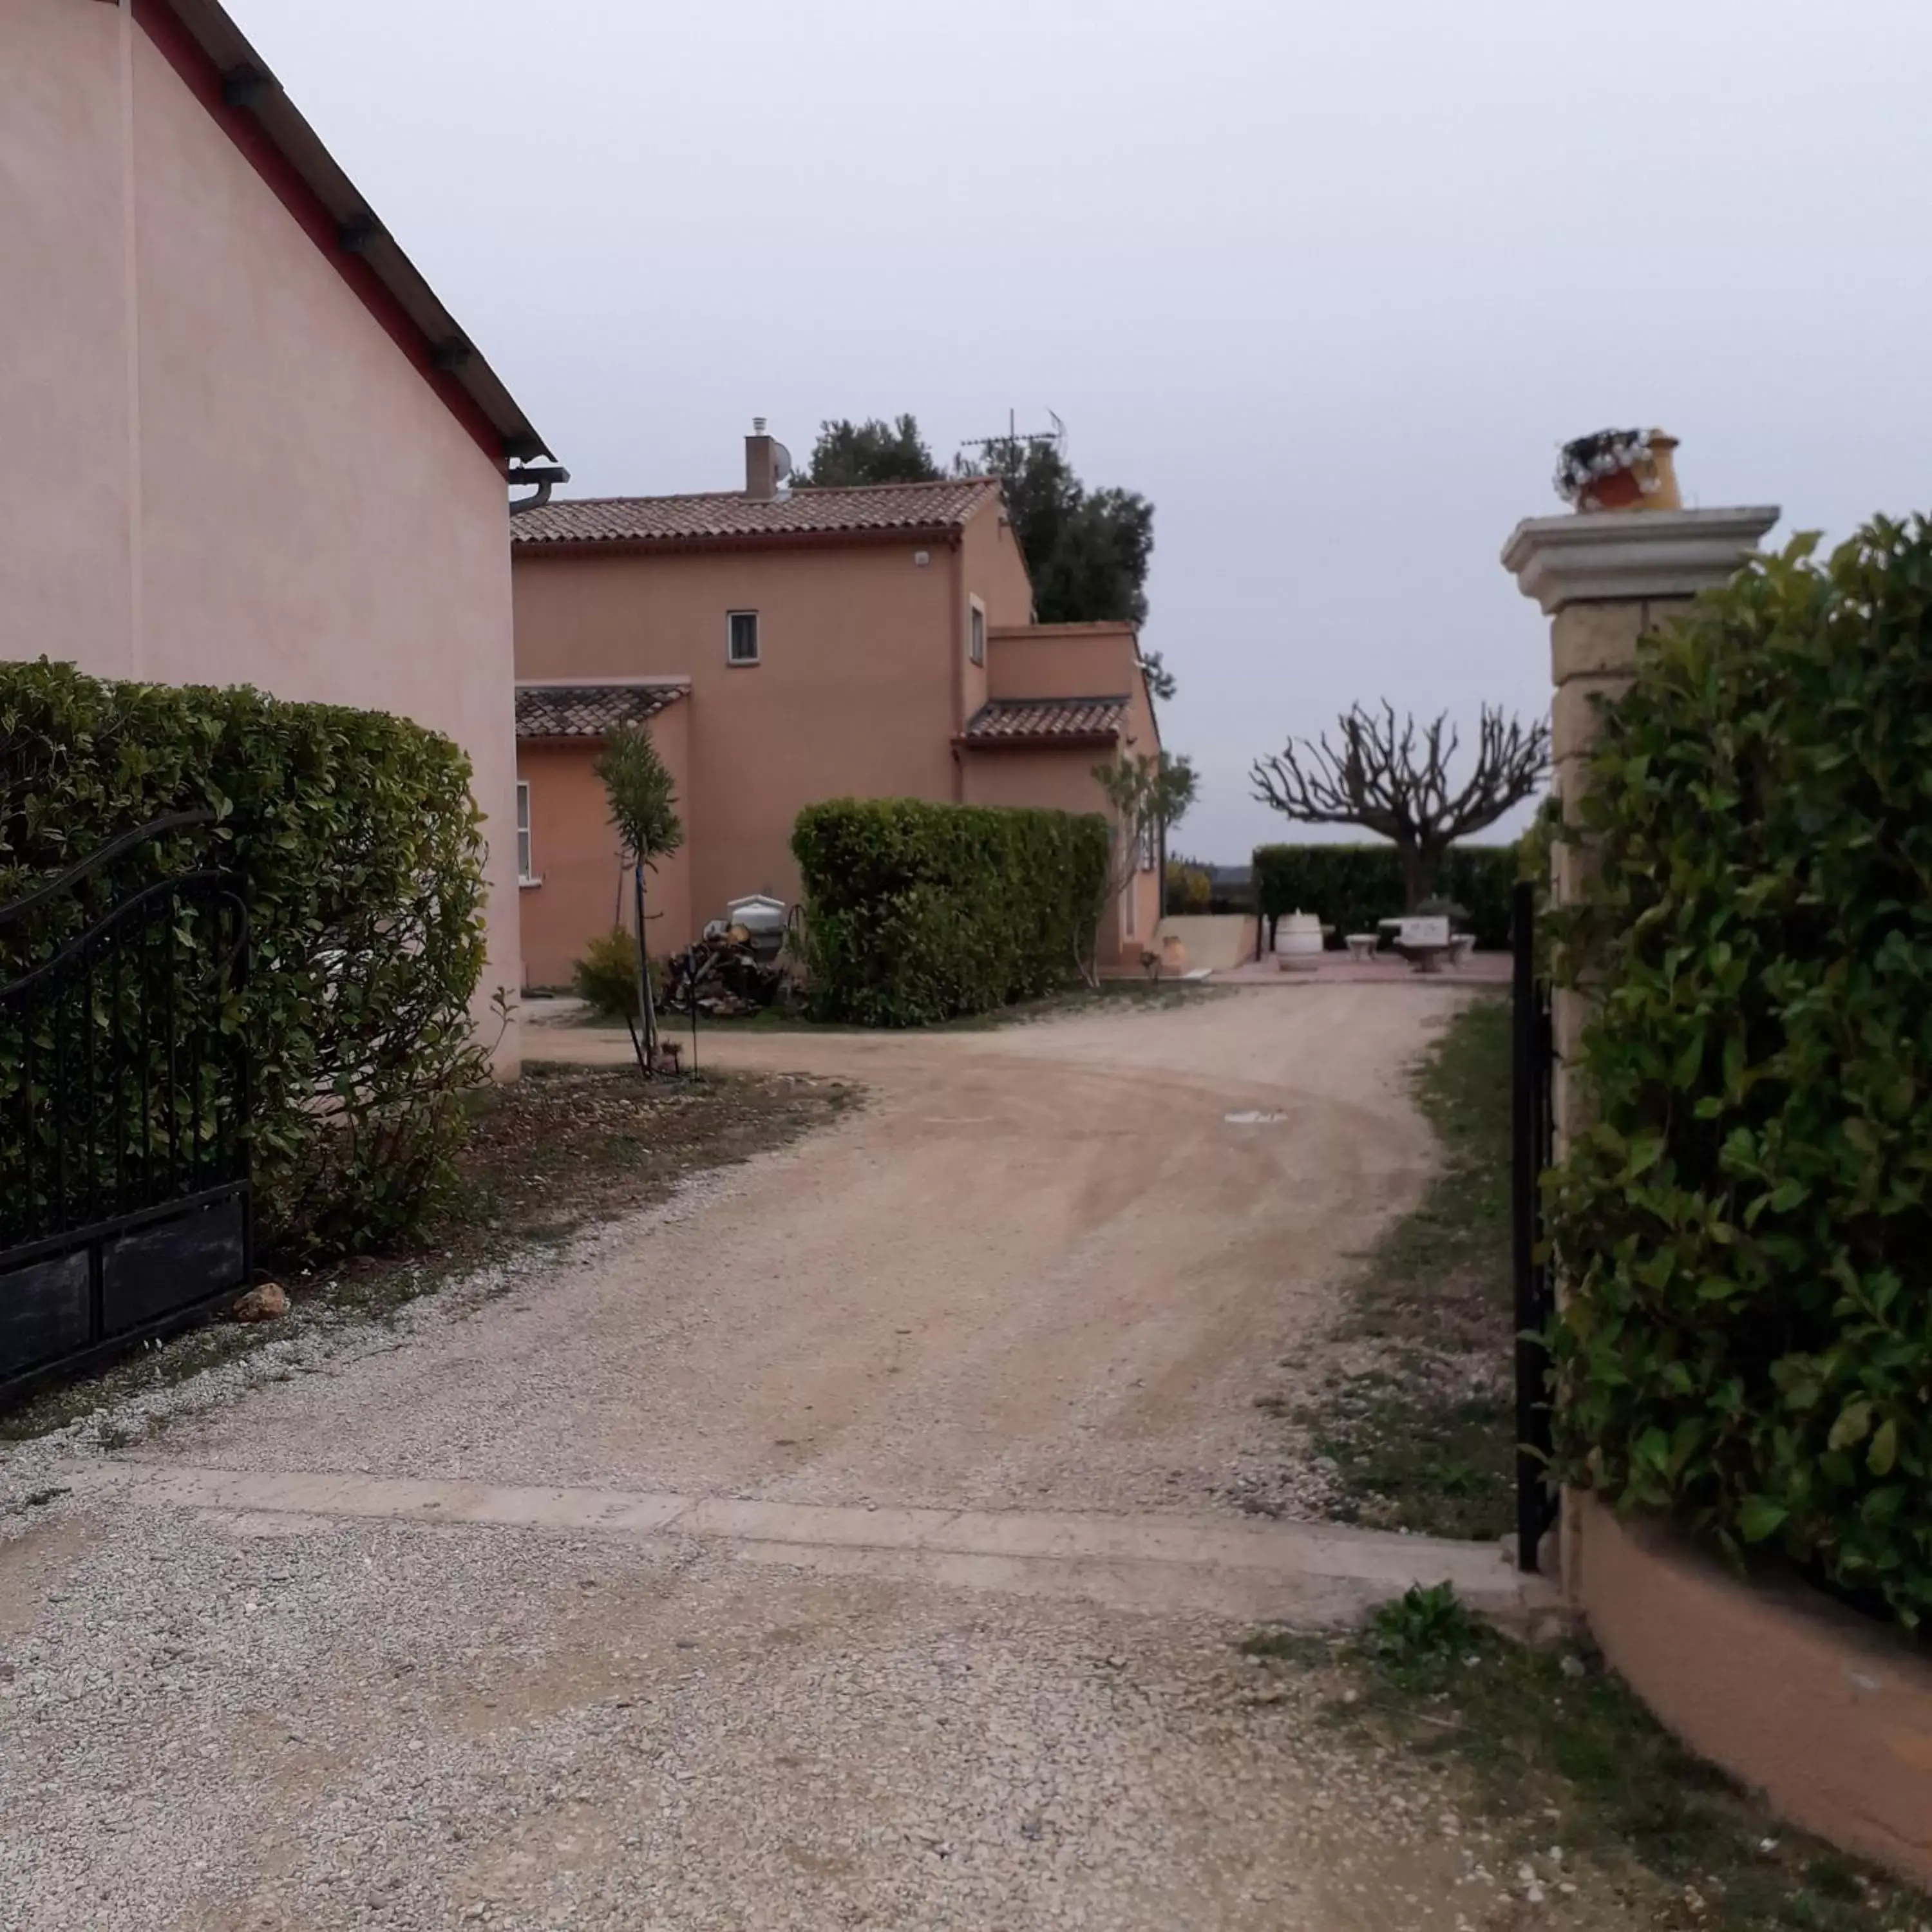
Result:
<point x="1828" y="1713"/>
<point x="1215" y="941"/>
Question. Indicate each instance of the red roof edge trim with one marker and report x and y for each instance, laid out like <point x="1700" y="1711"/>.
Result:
<point x="559" y="549"/>
<point x="1040" y="741"/>
<point x="184" y="53"/>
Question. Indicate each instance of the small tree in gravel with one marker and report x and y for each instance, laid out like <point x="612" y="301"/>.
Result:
<point x="1148" y="794"/>
<point x="643" y="808"/>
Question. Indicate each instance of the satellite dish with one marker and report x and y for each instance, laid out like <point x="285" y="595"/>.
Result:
<point x="781" y="463"/>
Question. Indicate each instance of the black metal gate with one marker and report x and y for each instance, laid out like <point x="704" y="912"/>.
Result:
<point x="1534" y="1063"/>
<point x="123" y="1104"/>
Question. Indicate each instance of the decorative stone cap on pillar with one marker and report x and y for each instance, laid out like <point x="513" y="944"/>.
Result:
<point x="1617" y="554"/>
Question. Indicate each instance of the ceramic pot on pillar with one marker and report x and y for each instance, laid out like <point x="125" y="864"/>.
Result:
<point x="1620" y="469"/>
<point x="1649" y="483"/>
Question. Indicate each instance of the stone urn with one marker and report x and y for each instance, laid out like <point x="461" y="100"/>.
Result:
<point x="1173" y="953"/>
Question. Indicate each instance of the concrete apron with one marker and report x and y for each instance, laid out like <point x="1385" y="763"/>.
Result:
<point x="1308" y="1575"/>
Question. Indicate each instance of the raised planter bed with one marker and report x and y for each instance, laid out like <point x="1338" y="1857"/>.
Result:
<point x="1828" y="1714"/>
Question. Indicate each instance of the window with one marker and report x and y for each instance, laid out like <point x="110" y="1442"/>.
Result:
<point x="977" y="649"/>
<point x="1147" y="842"/>
<point x="741" y="637"/>
<point x="526" y="871"/>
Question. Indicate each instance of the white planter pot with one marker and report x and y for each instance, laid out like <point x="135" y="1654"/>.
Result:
<point x="1298" y="935"/>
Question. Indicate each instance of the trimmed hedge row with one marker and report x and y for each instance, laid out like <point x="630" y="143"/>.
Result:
<point x="916" y="913"/>
<point x="1352" y="886"/>
<point x="1746" y="1232"/>
<point x="359" y="853"/>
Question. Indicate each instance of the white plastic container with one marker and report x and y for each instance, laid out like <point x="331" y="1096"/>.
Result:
<point x="759" y="913"/>
<point x="763" y="920"/>
<point x="1297" y="941"/>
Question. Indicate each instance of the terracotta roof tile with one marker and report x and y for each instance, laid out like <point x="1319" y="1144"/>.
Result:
<point x="1006" y="721"/>
<point x="588" y="710"/>
<point x="727" y="516"/>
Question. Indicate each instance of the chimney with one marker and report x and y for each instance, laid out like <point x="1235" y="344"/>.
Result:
<point x="761" y="466"/>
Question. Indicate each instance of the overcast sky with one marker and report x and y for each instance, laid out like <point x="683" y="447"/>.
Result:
<point x="1328" y="283"/>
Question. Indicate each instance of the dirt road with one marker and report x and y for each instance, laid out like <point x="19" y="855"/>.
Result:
<point x="846" y="1545"/>
<point x="1040" y="1270"/>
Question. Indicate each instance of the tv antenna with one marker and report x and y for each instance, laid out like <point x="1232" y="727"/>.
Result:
<point x="1032" y="439"/>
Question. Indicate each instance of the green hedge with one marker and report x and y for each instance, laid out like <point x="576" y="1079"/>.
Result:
<point x="915" y="913"/>
<point x="359" y="853"/>
<point x="1352" y="886"/>
<point x="1746" y="1233"/>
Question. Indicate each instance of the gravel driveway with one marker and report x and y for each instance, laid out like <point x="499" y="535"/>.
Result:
<point x="813" y="1553"/>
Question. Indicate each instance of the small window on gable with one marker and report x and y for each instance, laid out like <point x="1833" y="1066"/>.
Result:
<point x="525" y="870"/>
<point x="741" y="637"/>
<point x="977" y="649"/>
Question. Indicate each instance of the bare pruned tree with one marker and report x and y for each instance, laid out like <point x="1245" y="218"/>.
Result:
<point x="1393" y="777"/>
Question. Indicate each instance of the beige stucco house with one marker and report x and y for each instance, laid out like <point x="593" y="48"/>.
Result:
<point x="786" y="647"/>
<point x="253" y="446"/>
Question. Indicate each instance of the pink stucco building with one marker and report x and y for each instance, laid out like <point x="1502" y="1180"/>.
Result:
<point x="786" y="647"/>
<point x="253" y="446"/>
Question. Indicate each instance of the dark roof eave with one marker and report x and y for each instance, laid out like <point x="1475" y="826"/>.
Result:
<point x="1048" y="741"/>
<point x="448" y="356"/>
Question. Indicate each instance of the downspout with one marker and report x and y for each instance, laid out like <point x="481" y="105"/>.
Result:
<point x="1160" y="857"/>
<point x="131" y="323"/>
<point x="956" y="632"/>
<point x="546" y="479"/>
<point x="1159" y="887"/>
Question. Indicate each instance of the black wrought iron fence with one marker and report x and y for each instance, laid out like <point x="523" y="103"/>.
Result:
<point x="124" y="1101"/>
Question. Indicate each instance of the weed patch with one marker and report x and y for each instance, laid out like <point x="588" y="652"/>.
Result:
<point x="1416" y="1428"/>
<point x="1553" y="1750"/>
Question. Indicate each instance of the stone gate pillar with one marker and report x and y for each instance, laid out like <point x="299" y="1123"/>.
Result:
<point x="1844" y="1745"/>
<point x="1604" y="578"/>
